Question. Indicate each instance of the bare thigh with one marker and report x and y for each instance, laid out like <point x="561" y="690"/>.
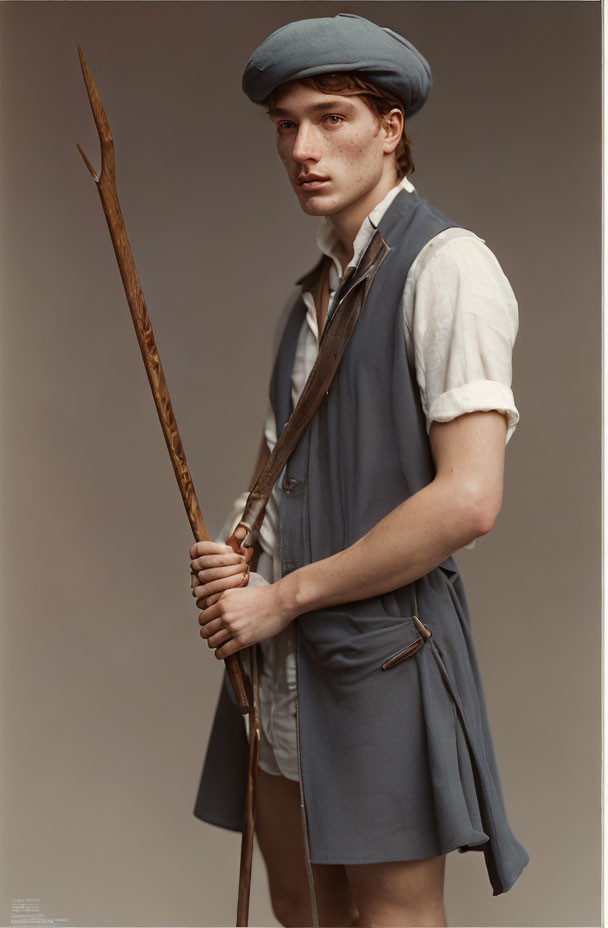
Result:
<point x="279" y="833"/>
<point x="400" y="893"/>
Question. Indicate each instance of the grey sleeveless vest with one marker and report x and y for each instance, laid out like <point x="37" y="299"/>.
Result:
<point x="396" y="764"/>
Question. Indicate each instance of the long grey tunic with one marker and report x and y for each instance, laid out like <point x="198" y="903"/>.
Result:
<point x="396" y="764"/>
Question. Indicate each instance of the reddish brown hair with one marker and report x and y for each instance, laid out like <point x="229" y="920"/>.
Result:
<point x="380" y="101"/>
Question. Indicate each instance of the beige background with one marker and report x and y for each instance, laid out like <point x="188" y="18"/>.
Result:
<point x="107" y="690"/>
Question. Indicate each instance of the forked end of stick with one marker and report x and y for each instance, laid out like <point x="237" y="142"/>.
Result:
<point x="99" y="115"/>
<point x="92" y="170"/>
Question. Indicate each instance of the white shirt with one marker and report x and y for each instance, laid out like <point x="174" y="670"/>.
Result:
<point x="460" y="321"/>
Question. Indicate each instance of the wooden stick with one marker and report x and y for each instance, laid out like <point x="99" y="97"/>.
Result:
<point x="106" y="185"/>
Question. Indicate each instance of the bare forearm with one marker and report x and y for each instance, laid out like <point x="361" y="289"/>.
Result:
<point x="411" y="540"/>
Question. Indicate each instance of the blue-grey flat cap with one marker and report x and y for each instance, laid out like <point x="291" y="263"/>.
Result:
<point x="346" y="42"/>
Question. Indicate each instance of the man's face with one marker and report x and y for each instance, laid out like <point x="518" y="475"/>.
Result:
<point x="331" y="145"/>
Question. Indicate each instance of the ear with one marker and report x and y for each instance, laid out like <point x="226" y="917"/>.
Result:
<point x="393" y="126"/>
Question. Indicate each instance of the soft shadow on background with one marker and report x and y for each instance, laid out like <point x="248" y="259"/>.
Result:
<point x="108" y="691"/>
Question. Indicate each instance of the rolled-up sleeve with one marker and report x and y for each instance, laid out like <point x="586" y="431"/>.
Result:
<point x="463" y="320"/>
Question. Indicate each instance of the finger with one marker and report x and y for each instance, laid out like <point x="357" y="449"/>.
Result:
<point x="240" y="533"/>
<point x="202" y="591"/>
<point x="219" y="638"/>
<point x="218" y="573"/>
<point x="226" y="650"/>
<point x="193" y="579"/>
<point x="236" y="540"/>
<point x="240" y="579"/>
<point x="212" y="627"/>
<point x="211" y="612"/>
<point x="208" y="547"/>
<point x="203" y="602"/>
<point x="215" y="560"/>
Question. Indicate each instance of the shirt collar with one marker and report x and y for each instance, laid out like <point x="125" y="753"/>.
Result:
<point x="326" y="235"/>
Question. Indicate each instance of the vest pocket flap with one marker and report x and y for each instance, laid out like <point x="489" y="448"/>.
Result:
<point x="352" y="647"/>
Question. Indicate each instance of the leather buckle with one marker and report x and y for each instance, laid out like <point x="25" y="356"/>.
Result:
<point x="424" y="634"/>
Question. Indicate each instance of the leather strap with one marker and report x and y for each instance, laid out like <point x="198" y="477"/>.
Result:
<point x="339" y="327"/>
<point x="321" y="296"/>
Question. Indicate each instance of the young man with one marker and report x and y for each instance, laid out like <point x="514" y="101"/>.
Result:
<point x="390" y="765"/>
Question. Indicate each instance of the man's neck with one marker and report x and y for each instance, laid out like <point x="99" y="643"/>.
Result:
<point x="347" y="223"/>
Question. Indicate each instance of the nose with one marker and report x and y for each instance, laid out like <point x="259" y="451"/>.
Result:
<point x="305" y="145"/>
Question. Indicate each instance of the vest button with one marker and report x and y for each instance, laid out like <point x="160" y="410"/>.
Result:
<point x="289" y="483"/>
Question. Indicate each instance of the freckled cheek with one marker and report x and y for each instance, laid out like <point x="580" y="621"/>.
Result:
<point x="356" y="148"/>
<point x="356" y="155"/>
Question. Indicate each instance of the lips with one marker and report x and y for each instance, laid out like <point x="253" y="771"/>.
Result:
<point x="312" y="182"/>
